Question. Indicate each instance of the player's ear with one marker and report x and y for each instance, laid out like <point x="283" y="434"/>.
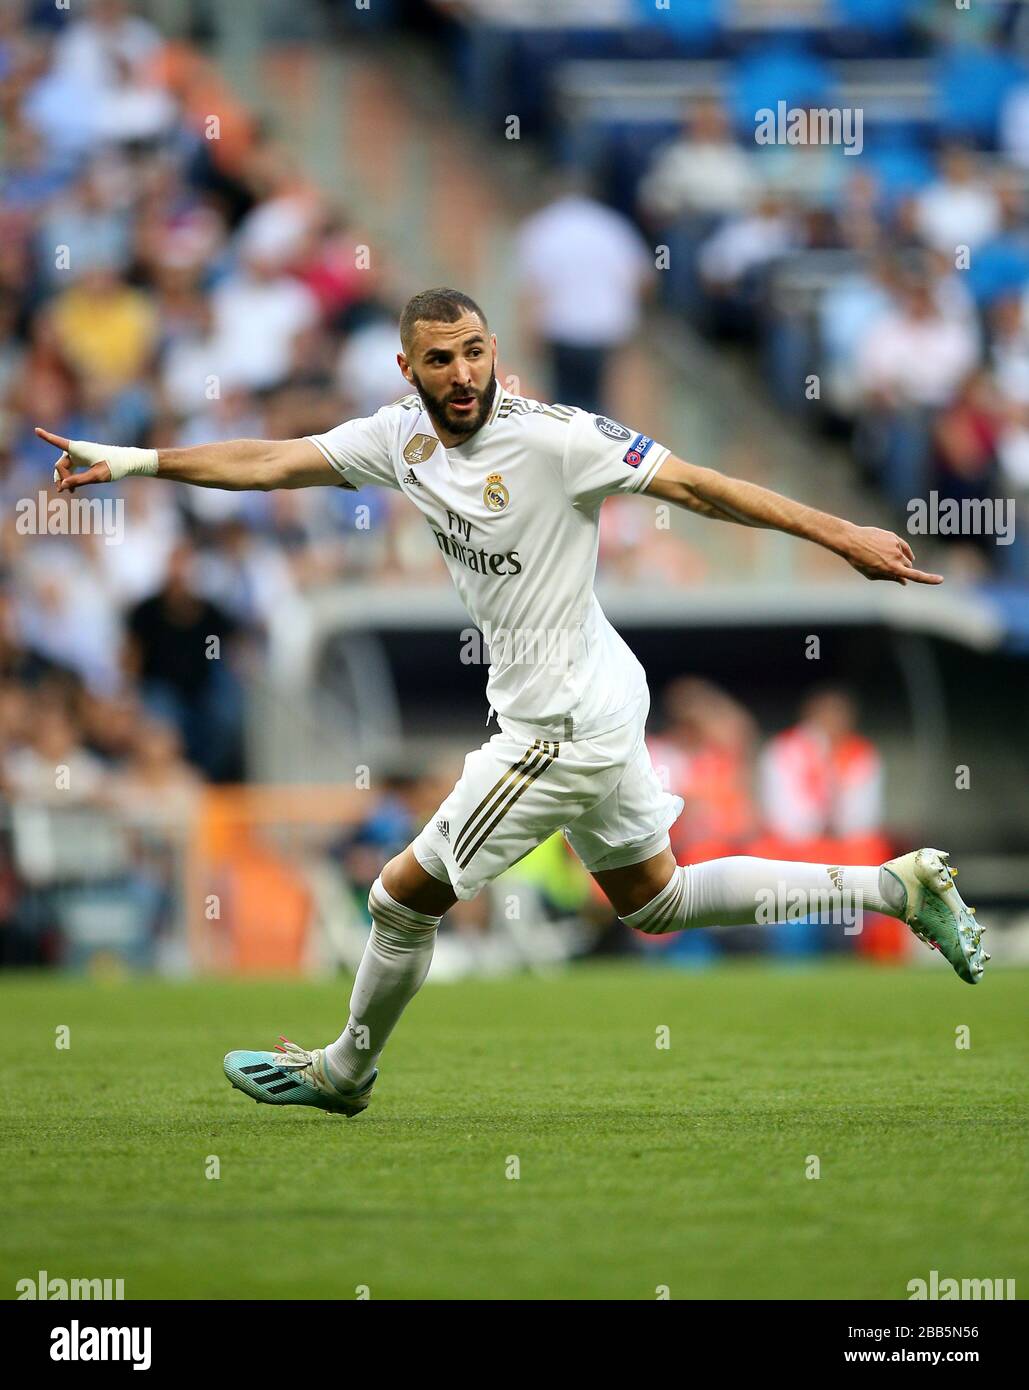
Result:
<point x="402" y="363"/>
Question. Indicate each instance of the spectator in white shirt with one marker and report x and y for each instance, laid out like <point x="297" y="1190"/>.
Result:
<point x="99" y="50"/>
<point x="744" y="244"/>
<point x="916" y="355"/>
<point x="911" y="364"/>
<point x="258" y="313"/>
<point x="367" y="371"/>
<point x="703" y="173"/>
<point x="584" y="269"/>
<point x="31" y="772"/>
<point x="190" y="364"/>
<point x="960" y="208"/>
<point x="101" y="65"/>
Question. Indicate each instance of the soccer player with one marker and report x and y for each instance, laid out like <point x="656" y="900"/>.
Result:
<point x="511" y="489"/>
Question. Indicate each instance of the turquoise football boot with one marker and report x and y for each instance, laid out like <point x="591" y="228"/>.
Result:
<point x="935" y="912"/>
<point x="293" y="1076"/>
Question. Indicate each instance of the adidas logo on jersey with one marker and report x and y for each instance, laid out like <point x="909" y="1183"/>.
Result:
<point x="410" y="478"/>
<point x="443" y="826"/>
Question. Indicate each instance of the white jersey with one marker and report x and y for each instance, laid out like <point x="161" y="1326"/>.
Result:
<point x="515" y="512"/>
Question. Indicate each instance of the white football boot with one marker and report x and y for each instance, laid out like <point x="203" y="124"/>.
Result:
<point x="935" y="912"/>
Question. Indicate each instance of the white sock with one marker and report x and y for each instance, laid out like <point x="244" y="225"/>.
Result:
<point x="393" y="968"/>
<point x="743" y="890"/>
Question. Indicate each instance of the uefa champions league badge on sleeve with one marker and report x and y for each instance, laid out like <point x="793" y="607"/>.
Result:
<point x="495" y="494"/>
<point x="611" y="428"/>
<point x="637" y="450"/>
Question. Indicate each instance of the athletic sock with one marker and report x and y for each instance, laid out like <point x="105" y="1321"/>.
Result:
<point x="393" y="968"/>
<point x="743" y="890"/>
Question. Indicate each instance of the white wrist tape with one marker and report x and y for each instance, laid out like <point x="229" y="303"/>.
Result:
<point x="123" y="462"/>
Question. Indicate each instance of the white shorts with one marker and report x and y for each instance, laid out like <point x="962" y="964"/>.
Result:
<point x="515" y="791"/>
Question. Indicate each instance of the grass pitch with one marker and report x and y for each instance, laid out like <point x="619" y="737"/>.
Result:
<point x="640" y="1167"/>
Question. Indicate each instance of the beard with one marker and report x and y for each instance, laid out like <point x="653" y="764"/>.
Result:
<point x="439" y="412"/>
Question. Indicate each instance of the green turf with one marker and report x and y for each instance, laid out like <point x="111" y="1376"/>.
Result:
<point x="640" y="1167"/>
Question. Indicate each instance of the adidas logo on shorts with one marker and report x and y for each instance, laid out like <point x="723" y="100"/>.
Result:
<point x="443" y="826"/>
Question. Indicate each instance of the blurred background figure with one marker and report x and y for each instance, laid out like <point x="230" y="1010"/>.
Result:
<point x="911" y="364"/>
<point x="180" y="649"/>
<point x="703" y="174"/>
<point x="52" y="765"/>
<point x="704" y="753"/>
<point x="584" y="271"/>
<point x="821" y="784"/>
<point x="822" y="780"/>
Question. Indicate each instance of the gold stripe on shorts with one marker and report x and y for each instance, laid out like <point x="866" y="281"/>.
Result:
<point x="515" y="787"/>
<point x="472" y="824"/>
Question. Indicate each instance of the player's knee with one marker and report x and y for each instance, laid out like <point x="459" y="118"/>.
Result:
<point x="666" y="911"/>
<point x="398" y="881"/>
<point x="413" y="887"/>
<point x="633" y="887"/>
<point x="392" y="878"/>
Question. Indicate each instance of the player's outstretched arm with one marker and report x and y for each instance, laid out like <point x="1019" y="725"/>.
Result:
<point x="874" y="553"/>
<point x="238" y="465"/>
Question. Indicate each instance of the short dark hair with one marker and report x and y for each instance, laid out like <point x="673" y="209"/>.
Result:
<point x="440" y="305"/>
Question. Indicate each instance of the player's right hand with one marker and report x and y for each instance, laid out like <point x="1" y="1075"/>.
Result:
<point x="73" y="470"/>
<point x="879" y="554"/>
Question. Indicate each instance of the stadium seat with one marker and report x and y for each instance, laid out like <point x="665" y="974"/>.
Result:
<point x="781" y="73"/>
<point x="973" y="84"/>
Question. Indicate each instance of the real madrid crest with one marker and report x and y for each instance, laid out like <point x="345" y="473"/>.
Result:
<point x="495" y="494"/>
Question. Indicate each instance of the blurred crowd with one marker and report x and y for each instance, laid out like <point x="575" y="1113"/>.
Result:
<point x="168" y="276"/>
<point x="165" y="278"/>
<point x="907" y="307"/>
<point x="879" y="280"/>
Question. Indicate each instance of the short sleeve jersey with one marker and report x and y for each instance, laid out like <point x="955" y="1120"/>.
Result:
<point x="515" y="513"/>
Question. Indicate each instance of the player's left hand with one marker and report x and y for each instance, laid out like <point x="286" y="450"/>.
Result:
<point x="72" y="470"/>
<point x="882" y="555"/>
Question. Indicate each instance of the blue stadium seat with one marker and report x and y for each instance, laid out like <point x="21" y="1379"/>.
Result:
<point x="882" y="17"/>
<point x="697" y="20"/>
<point x="899" y="169"/>
<point x="973" y="84"/>
<point x="781" y="73"/>
<point x="999" y="267"/>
